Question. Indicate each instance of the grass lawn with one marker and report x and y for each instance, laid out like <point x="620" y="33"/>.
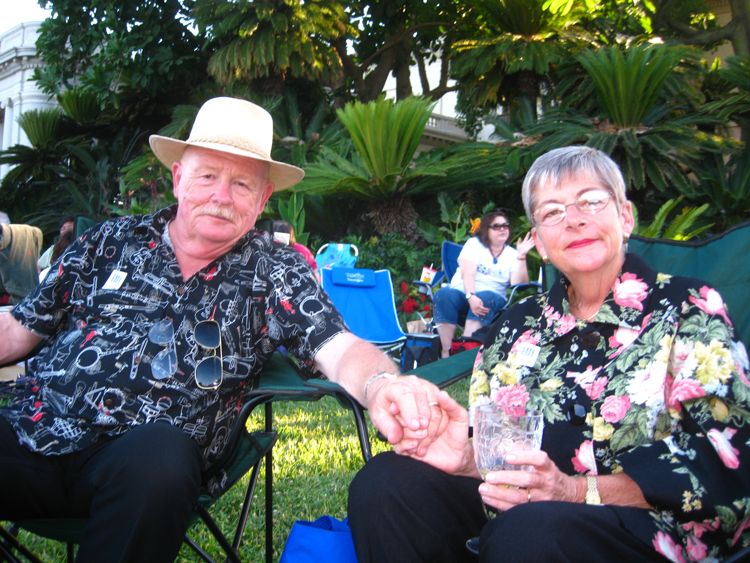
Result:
<point x="316" y="456"/>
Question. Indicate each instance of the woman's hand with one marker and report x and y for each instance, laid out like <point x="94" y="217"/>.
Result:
<point x="477" y="306"/>
<point x="524" y="245"/>
<point x="507" y="488"/>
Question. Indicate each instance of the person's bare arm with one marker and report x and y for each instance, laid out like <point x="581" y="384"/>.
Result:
<point x="399" y="406"/>
<point x="16" y="340"/>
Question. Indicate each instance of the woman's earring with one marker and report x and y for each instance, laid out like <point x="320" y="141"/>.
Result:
<point x="625" y="238"/>
<point x="545" y="259"/>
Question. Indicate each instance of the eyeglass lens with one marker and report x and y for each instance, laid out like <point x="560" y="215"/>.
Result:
<point x="589" y="202"/>
<point x="163" y="364"/>
<point x="208" y="372"/>
<point x="499" y="226"/>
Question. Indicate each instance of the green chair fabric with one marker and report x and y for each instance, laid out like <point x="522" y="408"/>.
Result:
<point x="723" y="261"/>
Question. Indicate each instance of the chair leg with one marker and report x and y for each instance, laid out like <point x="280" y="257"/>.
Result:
<point x="269" y="486"/>
<point x="10" y="544"/>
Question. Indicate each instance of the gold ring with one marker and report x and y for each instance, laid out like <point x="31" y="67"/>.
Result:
<point x="528" y="495"/>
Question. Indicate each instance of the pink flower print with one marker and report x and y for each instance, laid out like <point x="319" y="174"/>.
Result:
<point x="630" y="291"/>
<point x="584" y="378"/>
<point x="584" y="460"/>
<point x="595" y="388"/>
<point x="615" y="408"/>
<point x="621" y="339"/>
<point x="720" y="440"/>
<point x="667" y="547"/>
<point x="528" y="337"/>
<point x="696" y="549"/>
<point x="512" y="399"/>
<point x="682" y="390"/>
<point x="710" y="302"/>
<point x="699" y="528"/>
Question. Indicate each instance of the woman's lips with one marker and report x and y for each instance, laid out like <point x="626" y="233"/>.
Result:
<point x="582" y="243"/>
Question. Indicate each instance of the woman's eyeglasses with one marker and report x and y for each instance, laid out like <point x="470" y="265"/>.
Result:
<point x="589" y="202"/>
<point x="208" y="372"/>
<point x="500" y="226"/>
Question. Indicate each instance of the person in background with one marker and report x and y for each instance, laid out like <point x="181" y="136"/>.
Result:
<point x="66" y="238"/>
<point x="283" y="232"/>
<point x="19" y="251"/>
<point x="152" y="327"/>
<point x="644" y="388"/>
<point x="487" y="265"/>
<point x="67" y="231"/>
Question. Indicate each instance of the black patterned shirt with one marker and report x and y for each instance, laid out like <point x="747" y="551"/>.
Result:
<point x="119" y="318"/>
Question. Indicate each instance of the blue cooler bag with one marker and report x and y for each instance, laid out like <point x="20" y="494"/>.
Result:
<point x="326" y="540"/>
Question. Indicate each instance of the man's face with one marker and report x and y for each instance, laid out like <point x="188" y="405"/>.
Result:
<point x="219" y="195"/>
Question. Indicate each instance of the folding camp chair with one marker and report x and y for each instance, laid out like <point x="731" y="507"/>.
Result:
<point x="336" y="255"/>
<point x="366" y="301"/>
<point x="279" y="381"/>
<point x="721" y="260"/>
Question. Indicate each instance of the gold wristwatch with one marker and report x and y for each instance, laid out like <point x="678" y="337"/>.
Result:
<point x="592" y="490"/>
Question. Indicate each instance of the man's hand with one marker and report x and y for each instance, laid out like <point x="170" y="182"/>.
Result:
<point x="448" y="448"/>
<point x="401" y="408"/>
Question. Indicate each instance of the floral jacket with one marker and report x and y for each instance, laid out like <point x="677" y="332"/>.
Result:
<point x="655" y="385"/>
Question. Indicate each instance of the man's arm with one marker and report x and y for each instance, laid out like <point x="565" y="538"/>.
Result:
<point x="16" y="341"/>
<point x="399" y="406"/>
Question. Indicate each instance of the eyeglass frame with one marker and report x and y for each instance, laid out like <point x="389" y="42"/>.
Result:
<point x="220" y="380"/>
<point x="611" y="196"/>
<point x="499" y="227"/>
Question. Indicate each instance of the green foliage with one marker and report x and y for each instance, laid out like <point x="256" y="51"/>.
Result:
<point x="292" y="210"/>
<point x="678" y="226"/>
<point x="630" y="82"/>
<point x="41" y="126"/>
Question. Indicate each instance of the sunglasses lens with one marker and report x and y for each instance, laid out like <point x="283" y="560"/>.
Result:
<point x="164" y="364"/>
<point x="207" y="334"/>
<point x="208" y="373"/>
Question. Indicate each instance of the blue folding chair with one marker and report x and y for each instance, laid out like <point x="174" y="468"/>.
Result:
<point x="365" y="300"/>
<point x="336" y="255"/>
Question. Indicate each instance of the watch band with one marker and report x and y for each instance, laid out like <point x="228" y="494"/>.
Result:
<point x="468" y="295"/>
<point x="592" y="490"/>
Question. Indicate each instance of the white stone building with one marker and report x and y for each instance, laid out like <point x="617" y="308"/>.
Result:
<point x="18" y="93"/>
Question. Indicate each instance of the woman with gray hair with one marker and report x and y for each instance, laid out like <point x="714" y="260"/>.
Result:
<point x="643" y="386"/>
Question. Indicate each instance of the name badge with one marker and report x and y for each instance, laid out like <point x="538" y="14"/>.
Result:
<point x="115" y="280"/>
<point x="527" y="354"/>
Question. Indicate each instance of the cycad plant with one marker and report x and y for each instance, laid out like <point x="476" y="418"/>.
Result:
<point x="384" y="136"/>
<point x="640" y="105"/>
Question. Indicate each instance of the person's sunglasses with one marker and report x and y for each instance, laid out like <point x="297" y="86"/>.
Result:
<point x="208" y="372"/>
<point x="500" y="226"/>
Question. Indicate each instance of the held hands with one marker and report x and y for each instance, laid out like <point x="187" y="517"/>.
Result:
<point x="449" y="449"/>
<point x="405" y="410"/>
<point x="507" y="488"/>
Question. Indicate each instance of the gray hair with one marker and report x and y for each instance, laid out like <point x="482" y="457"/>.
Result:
<point x="558" y="164"/>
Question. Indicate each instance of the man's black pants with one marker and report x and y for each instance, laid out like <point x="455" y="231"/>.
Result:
<point x="138" y="491"/>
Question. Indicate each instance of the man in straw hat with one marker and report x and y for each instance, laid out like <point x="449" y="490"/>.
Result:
<point x="152" y="326"/>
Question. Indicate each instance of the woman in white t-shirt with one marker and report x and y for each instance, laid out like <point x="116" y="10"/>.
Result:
<point x="487" y="265"/>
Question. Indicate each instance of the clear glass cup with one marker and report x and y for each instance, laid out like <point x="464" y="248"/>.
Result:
<point x="495" y="435"/>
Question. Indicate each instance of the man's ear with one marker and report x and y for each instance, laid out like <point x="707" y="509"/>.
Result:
<point x="266" y="196"/>
<point x="176" y="177"/>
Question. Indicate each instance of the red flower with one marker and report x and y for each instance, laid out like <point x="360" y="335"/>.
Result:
<point x="410" y="305"/>
<point x="404" y="288"/>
